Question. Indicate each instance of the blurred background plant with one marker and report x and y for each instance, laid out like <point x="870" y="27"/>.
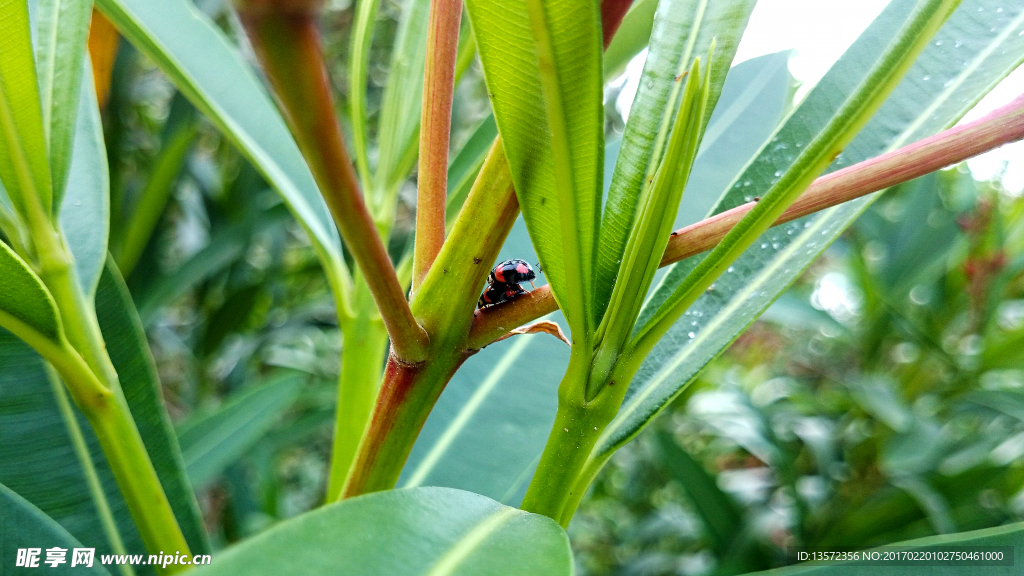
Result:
<point x="880" y="399"/>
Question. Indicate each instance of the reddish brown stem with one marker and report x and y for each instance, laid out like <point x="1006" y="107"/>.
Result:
<point x="955" y="145"/>
<point x="612" y="13"/>
<point x="288" y="46"/>
<point x="435" y="129"/>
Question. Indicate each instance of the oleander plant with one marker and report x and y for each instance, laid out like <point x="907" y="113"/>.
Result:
<point x="381" y="287"/>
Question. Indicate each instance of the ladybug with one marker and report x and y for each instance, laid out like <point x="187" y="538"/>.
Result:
<point x="512" y="272"/>
<point x="498" y="293"/>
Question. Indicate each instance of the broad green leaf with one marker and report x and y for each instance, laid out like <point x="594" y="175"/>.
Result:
<point x="633" y="35"/>
<point x="420" y="531"/>
<point x="546" y="93"/>
<point x="24" y="302"/>
<point x="211" y="73"/>
<point x="399" y="124"/>
<point x="85" y="211"/>
<point x="24" y="164"/>
<point x="1011" y="535"/>
<point x="489" y="399"/>
<point x="683" y="30"/>
<point x="61" y="32"/>
<point x="37" y="458"/>
<point x="213" y="440"/>
<point x="25" y="526"/>
<point x="964" y="60"/>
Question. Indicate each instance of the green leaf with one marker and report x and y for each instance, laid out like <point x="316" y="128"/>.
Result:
<point x="211" y="73"/>
<point x="85" y="211"/>
<point x="223" y="249"/>
<point x="466" y="165"/>
<point x="937" y="91"/>
<point x="61" y="32"/>
<point x="489" y="401"/>
<point x="399" y="124"/>
<point x="633" y="35"/>
<point x="546" y="93"/>
<point x="24" y="163"/>
<point x="25" y="526"/>
<point x="213" y="440"/>
<point x="1009" y="535"/>
<point x="37" y="457"/>
<point x="24" y="302"/>
<point x="862" y="102"/>
<point x="428" y="531"/>
<point x="721" y="516"/>
<point x="129" y="352"/>
<point x="683" y="29"/>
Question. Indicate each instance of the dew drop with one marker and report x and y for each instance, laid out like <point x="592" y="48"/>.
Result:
<point x="958" y="44"/>
<point x="747" y="183"/>
<point x="948" y="83"/>
<point x="731" y="269"/>
<point x="691" y="334"/>
<point x="775" y="245"/>
<point x="778" y="173"/>
<point x="748" y="198"/>
<point x="938" y="42"/>
<point x="927" y="77"/>
<point x="764" y="245"/>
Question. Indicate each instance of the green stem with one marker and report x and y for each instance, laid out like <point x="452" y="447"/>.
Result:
<point x="135" y="475"/>
<point x="364" y="342"/>
<point x="578" y="424"/>
<point x="92" y="480"/>
<point x="83" y="363"/>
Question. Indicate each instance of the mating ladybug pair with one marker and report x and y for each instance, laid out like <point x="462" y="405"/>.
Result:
<point x="503" y="282"/>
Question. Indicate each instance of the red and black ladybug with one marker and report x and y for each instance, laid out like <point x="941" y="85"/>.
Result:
<point x="514" y="271"/>
<point x="498" y="293"/>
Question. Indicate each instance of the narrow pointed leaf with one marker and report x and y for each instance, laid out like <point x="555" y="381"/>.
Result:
<point x="24" y="164"/>
<point x="964" y="60"/>
<point x="61" y="32"/>
<point x="545" y="89"/>
<point x="683" y="29"/>
<point x="399" y="124"/>
<point x="422" y="531"/>
<point x="212" y="441"/>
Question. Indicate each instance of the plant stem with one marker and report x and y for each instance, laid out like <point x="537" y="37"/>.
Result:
<point x="364" y="344"/>
<point x="445" y="305"/>
<point x="407" y="394"/>
<point x="135" y="475"/>
<point x="92" y="480"/>
<point x="435" y="129"/>
<point x="612" y="13"/>
<point x="289" y="49"/>
<point x="578" y="424"/>
<point x="1001" y="126"/>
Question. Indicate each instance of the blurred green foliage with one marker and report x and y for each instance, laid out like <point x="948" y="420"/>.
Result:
<point x="880" y="399"/>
